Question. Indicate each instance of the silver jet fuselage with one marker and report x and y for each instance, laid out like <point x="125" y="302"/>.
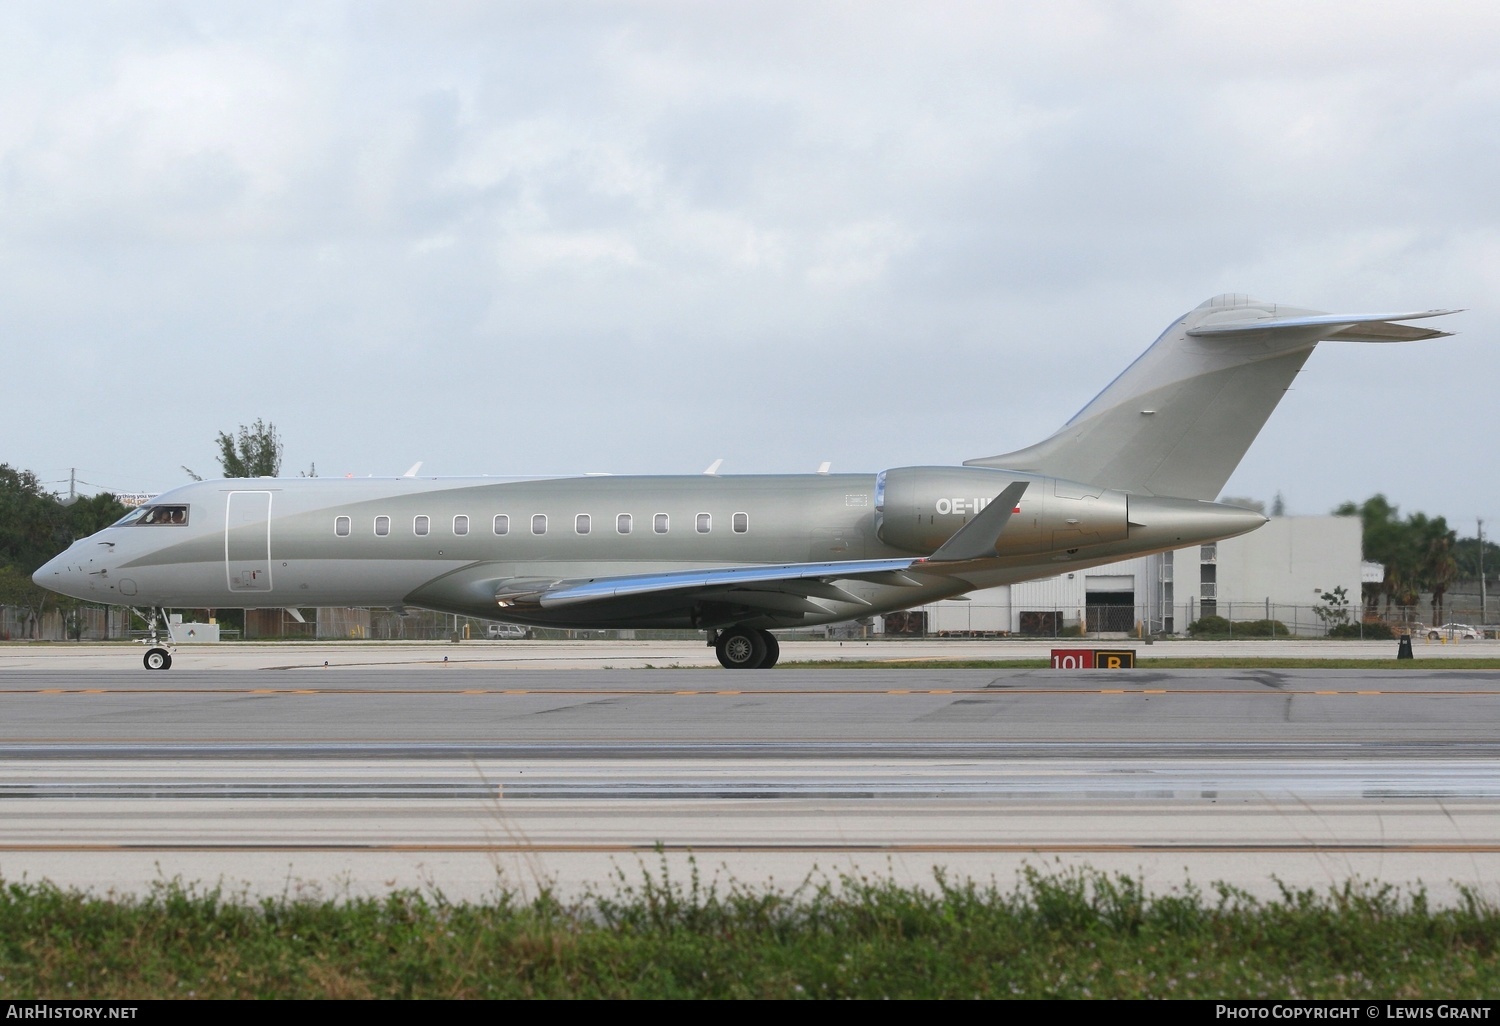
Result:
<point x="1130" y="474"/>
<point x="494" y="547"/>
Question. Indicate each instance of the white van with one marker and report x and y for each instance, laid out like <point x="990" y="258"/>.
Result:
<point x="500" y="631"/>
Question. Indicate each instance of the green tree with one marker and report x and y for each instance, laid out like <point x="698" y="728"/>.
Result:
<point x="85" y="516"/>
<point x="18" y="592"/>
<point x="1417" y="554"/>
<point x="1382" y="543"/>
<point x="1436" y="567"/>
<point x="1334" y="612"/>
<point x="33" y="525"/>
<point x="36" y="525"/>
<point x="1466" y="554"/>
<point x="254" y="452"/>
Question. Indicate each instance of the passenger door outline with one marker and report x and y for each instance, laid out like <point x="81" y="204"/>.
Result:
<point x="247" y="541"/>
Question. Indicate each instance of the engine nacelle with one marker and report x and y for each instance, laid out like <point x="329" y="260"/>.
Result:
<point x="919" y="508"/>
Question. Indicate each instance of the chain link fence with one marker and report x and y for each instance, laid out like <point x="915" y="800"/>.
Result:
<point x="957" y="620"/>
<point x="1215" y="620"/>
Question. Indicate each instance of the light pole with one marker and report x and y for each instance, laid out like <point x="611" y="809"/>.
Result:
<point x="1484" y="617"/>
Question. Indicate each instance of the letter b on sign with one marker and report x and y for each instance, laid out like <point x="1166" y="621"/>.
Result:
<point x="1121" y="660"/>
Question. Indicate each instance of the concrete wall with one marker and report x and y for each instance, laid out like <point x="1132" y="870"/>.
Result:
<point x="1000" y="609"/>
<point x="1288" y="561"/>
<point x="1291" y="559"/>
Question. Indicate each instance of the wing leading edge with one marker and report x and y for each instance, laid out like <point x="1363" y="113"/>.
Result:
<point x="795" y="577"/>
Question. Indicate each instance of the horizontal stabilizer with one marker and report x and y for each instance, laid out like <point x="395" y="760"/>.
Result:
<point x="1338" y="327"/>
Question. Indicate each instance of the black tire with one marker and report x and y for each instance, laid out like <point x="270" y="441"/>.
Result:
<point x="157" y="659"/>
<point x="1433" y="635"/>
<point x="740" y="648"/>
<point x="773" y="649"/>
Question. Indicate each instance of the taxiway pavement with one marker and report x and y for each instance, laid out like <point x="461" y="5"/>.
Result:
<point x="610" y="654"/>
<point x="471" y="776"/>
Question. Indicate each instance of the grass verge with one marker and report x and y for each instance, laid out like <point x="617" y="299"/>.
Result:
<point x="1067" y="934"/>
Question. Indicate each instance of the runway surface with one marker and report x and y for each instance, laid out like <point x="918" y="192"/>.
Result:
<point x="611" y="654"/>
<point x="468" y="777"/>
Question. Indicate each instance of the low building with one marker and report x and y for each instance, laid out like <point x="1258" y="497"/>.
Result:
<point x="1279" y="572"/>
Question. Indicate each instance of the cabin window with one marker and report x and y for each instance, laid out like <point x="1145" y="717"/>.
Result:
<point x="342" y="526"/>
<point x="421" y="525"/>
<point x="705" y="523"/>
<point x="660" y="523"/>
<point x="581" y="523"/>
<point x="741" y="523"/>
<point x="382" y="526"/>
<point x="460" y="525"/>
<point x="502" y="524"/>
<point x="622" y="523"/>
<point x="539" y="523"/>
<point x="158" y="515"/>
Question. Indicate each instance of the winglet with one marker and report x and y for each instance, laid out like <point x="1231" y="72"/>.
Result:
<point x="713" y="468"/>
<point x="977" y="538"/>
<point x="414" y="468"/>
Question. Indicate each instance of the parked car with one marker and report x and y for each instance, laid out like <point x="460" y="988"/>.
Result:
<point x="507" y="631"/>
<point x="1454" y="630"/>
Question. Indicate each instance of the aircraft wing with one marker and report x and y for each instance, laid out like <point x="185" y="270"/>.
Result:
<point x="805" y="580"/>
<point x="777" y="595"/>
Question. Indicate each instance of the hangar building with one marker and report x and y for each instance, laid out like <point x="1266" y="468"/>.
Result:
<point x="1276" y="572"/>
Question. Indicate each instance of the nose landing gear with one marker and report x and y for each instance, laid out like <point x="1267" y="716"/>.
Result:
<point x="745" y="648"/>
<point x="157" y="657"/>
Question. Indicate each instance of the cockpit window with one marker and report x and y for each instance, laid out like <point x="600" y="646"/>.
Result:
<point x="156" y="515"/>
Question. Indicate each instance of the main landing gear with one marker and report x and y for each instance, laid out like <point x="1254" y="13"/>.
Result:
<point x="745" y="648"/>
<point x="157" y="657"/>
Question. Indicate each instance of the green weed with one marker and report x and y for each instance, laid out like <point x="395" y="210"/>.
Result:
<point x="1073" y="933"/>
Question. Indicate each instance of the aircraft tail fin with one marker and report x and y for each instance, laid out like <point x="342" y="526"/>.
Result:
<point x="1179" y="419"/>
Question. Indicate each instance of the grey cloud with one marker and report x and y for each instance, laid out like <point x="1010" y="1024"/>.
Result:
<point x="554" y="237"/>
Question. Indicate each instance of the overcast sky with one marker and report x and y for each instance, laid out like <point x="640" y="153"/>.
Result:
<point x="516" y="238"/>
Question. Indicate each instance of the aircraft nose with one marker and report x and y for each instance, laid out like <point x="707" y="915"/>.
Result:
<point x="46" y="572"/>
<point x="62" y="576"/>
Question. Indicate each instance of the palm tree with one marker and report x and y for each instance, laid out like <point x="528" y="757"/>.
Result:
<point x="1438" y="568"/>
<point x="1384" y="543"/>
